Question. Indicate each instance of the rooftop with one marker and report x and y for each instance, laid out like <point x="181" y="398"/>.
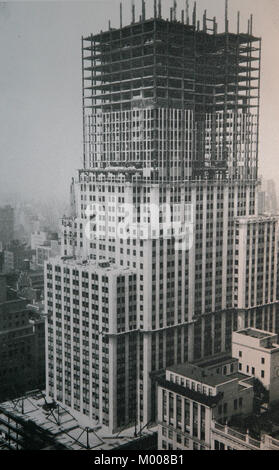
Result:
<point x="91" y="265"/>
<point x="59" y="428"/>
<point x="253" y="333"/>
<point x="200" y="397"/>
<point x="200" y="374"/>
<point x="216" y="361"/>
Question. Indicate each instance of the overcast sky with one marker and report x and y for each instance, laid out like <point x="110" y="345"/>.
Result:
<point x="40" y="85"/>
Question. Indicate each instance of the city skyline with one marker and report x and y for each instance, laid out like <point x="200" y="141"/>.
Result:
<point x="43" y="153"/>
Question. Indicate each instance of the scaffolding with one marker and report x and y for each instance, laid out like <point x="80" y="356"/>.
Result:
<point x="131" y="73"/>
<point x="33" y="423"/>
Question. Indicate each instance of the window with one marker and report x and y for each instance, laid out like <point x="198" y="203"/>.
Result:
<point x="240" y="366"/>
<point x="247" y="369"/>
<point x="262" y="360"/>
<point x="195" y="420"/>
<point x="225" y="408"/>
<point x="171" y="404"/>
<point x="240" y="353"/>
<point x="164" y="404"/>
<point x="178" y="412"/>
<point x="240" y="402"/>
<point x="187" y="413"/>
<point x="219" y="445"/>
<point x="262" y="374"/>
<point x="235" y="404"/>
<point x="253" y="370"/>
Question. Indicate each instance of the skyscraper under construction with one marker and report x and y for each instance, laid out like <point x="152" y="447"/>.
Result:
<point x="171" y="121"/>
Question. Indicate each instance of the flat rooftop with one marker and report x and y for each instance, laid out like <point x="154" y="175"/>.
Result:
<point x="253" y="333"/>
<point x="199" y="374"/>
<point x="216" y="361"/>
<point x="90" y="265"/>
<point x="65" y="430"/>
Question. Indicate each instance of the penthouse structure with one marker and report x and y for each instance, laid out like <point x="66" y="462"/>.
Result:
<point x="171" y="117"/>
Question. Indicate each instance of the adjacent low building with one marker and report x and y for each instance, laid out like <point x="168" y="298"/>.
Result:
<point x="258" y="355"/>
<point x="224" y="437"/>
<point x="35" y="423"/>
<point x="192" y="396"/>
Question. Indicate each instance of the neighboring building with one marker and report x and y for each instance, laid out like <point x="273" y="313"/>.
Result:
<point x="22" y="342"/>
<point x="45" y="244"/>
<point x="30" y="284"/>
<point x="166" y="123"/>
<point x="38" y="238"/>
<point x="256" y="271"/>
<point x="49" y="249"/>
<point x="226" y="438"/>
<point x="92" y="313"/>
<point x="268" y="203"/>
<point x="258" y="355"/>
<point x="21" y="252"/>
<point x="34" y="423"/>
<point x="6" y="225"/>
<point x="191" y="396"/>
<point x="6" y="262"/>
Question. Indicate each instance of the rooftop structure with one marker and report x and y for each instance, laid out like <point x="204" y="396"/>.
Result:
<point x="33" y="423"/>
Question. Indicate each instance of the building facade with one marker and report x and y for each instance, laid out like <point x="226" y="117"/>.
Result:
<point x="6" y="225"/>
<point x="22" y="346"/>
<point x="92" y="356"/>
<point x="170" y="114"/>
<point x="258" y="355"/>
<point x="192" y="396"/>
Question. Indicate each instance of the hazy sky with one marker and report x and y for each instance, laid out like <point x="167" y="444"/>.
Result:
<point x="40" y="84"/>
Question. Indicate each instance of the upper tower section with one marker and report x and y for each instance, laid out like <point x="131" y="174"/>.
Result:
<point x="158" y="80"/>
